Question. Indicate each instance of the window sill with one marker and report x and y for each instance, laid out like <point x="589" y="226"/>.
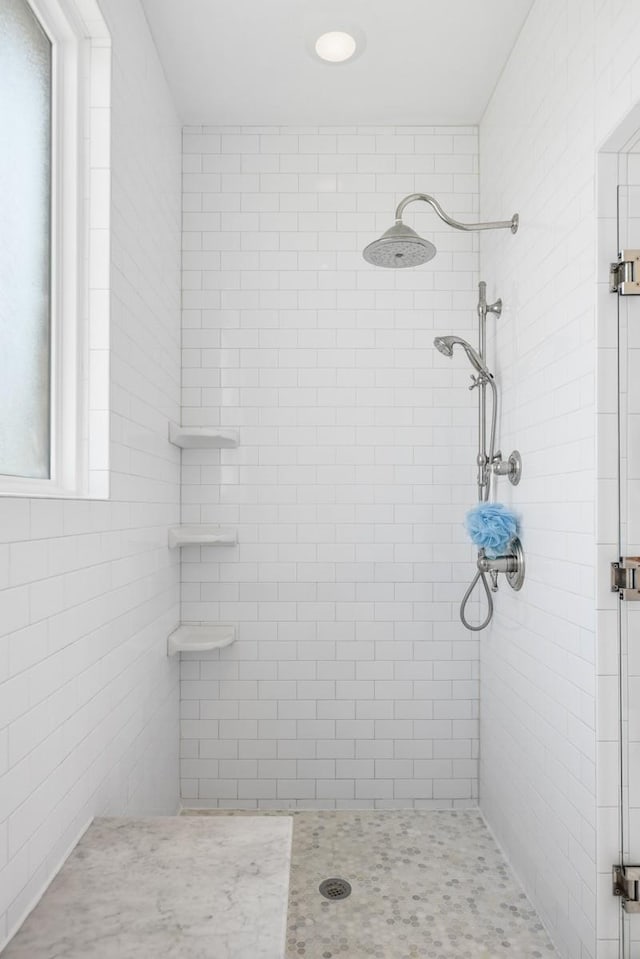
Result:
<point x="17" y="486"/>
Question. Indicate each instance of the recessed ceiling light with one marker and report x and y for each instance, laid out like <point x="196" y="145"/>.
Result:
<point x="336" y="46"/>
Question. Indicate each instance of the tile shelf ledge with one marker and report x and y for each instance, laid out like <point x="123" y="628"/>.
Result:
<point x="201" y="535"/>
<point x="199" y="637"/>
<point x="202" y="437"/>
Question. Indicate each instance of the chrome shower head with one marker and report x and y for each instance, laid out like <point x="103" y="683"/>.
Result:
<point x="398" y="247"/>
<point x="401" y="246"/>
<point x="445" y="345"/>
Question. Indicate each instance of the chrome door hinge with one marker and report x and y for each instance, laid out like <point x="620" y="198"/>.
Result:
<point x="625" y="577"/>
<point x="624" y="276"/>
<point x="625" y="885"/>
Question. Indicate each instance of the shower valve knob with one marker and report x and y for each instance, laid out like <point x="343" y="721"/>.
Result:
<point x="511" y="564"/>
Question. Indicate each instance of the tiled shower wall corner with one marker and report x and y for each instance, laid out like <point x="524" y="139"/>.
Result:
<point x="88" y="697"/>
<point x="352" y="682"/>
<point x="572" y="77"/>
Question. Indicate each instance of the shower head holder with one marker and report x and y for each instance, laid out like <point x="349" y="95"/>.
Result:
<point x="511" y="467"/>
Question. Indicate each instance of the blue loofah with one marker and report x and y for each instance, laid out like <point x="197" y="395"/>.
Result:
<point x="491" y="527"/>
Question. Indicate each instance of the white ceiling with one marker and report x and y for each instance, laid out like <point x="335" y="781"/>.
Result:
<point x="248" y="61"/>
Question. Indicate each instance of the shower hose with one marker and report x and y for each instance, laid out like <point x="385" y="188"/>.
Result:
<point x="467" y="596"/>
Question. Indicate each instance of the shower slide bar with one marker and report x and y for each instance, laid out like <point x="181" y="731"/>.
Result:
<point x="489" y="461"/>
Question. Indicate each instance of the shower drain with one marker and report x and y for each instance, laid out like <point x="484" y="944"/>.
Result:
<point x="335" y="888"/>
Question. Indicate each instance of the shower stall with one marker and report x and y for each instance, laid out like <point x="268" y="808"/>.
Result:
<point x="331" y="452"/>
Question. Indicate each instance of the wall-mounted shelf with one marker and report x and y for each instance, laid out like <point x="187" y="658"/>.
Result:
<point x="201" y="535"/>
<point x="202" y="437"/>
<point x="194" y="638"/>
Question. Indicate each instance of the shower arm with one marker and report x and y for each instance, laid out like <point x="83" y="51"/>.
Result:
<point x="511" y="224"/>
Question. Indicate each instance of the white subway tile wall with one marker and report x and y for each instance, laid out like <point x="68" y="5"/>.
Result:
<point x="88" y="698"/>
<point x="353" y="682"/>
<point x="571" y="78"/>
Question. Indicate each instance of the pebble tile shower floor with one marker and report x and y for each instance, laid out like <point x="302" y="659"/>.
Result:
<point x="426" y="885"/>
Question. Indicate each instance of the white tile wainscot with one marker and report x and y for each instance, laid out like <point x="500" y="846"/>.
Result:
<point x="167" y="887"/>
<point x="199" y="637"/>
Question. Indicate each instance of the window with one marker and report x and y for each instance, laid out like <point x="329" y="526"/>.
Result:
<point x="25" y="254"/>
<point x="51" y="57"/>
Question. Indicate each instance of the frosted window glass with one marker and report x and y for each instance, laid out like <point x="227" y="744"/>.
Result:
<point x="25" y="242"/>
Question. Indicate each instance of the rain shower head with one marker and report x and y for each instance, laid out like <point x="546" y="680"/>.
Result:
<point x="401" y="246"/>
<point x="445" y="345"/>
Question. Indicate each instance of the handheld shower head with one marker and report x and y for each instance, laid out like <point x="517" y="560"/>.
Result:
<point x="445" y="345"/>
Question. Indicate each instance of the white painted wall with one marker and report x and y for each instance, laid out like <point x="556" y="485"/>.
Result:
<point x="88" y="699"/>
<point x="571" y="78"/>
<point x="353" y="682"/>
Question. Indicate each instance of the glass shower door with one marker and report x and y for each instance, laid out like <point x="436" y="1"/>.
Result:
<point x="629" y="541"/>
